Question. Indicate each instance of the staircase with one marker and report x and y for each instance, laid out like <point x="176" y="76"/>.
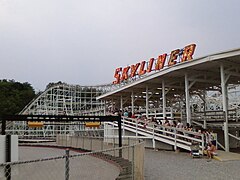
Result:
<point x="176" y="137"/>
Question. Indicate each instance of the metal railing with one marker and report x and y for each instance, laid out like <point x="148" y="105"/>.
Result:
<point x="177" y="137"/>
<point x="214" y="116"/>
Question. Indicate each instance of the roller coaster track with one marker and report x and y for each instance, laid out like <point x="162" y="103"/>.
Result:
<point x="61" y="98"/>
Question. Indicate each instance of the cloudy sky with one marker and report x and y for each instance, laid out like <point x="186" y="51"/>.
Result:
<point x="83" y="41"/>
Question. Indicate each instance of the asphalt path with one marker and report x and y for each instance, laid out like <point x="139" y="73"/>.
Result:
<point x="166" y="165"/>
<point x="83" y="167"/>
<point x="169" y="165"/>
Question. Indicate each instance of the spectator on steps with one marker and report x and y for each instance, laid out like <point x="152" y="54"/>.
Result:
<point x="179" y="124"/>
<point x="125" y="114"/>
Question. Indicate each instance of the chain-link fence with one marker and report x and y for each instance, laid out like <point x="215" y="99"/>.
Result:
<point x="104" y="161"/>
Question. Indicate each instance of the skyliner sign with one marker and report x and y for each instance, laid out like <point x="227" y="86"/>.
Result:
<point x="163" y="60"/>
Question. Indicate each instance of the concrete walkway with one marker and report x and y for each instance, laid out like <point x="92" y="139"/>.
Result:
<point x="226" y="156"/>
<point x="169" y="165"/>
<point x="82" y="167"/>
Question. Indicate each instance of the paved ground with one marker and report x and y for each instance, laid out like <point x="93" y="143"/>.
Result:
<point x="168" y="165"/>
<point x="86" y="167"/>
<point x="227" y="156"/>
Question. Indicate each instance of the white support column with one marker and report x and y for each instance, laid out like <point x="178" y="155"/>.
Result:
<point x="153" y="138"/>
<point x="187" y="98"/>
<point x="204" y="109"/>
<point x="171" y="111"/>
<point x="132" y="102"/>
<point x="121" y="103"/>
<point x="104" y="110"/>
<point x="147" y="103"/>
<point x="163" y="99"/>
<point x="225" y="106"/>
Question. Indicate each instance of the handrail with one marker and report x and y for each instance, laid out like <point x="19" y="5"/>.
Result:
<point x="197" y="123"/>
<point x="166" y="134"/>
<point x="162" y="126"/>
<point x="234" y="136"/>
<point x="219" y="144"/>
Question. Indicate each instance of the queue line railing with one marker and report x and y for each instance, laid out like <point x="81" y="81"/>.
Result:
<point x="177" y="137"/>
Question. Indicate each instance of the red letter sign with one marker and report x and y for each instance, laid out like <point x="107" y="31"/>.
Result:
<point x="188" y="52"/>
<point x="125" y="73"/>
<point x="173" y="57"/>
<point x="150" y="64"/>
<point x="160" y="61"/>
<point x="134" y="69"/>
<point x="141" y="70"/>
<point x="117" y="75"/>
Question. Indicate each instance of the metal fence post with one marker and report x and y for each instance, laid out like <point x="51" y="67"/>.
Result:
<point x="120" y="135"/>
<point x="8" y="157"/>
<point x="3" y="127"/>
<point x="67" y="165"/>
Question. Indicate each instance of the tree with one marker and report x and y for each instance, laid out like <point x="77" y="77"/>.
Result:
<point x="14" y="96"/>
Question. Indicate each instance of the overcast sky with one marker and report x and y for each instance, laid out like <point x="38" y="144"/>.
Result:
<point x="83" y="41"/>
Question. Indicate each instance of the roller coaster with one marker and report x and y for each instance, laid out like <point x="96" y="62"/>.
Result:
<point x="204" y="92"/>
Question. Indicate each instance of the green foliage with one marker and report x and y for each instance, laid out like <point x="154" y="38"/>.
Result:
<point x="14" y="96"/>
